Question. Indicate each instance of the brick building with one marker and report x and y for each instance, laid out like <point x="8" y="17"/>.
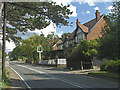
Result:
<point x="87" y="31"/>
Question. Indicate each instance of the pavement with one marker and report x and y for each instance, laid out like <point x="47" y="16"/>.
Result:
<point x="17" y="83"/>
<point x="85" y="71"/>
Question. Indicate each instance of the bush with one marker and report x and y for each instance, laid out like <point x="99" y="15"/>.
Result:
<point x="111" y="66"/>
<point x="103" y="66"/>
<point x="6" y="80"/>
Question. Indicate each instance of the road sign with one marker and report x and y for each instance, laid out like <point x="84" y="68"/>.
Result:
<point x="39" y="48"/>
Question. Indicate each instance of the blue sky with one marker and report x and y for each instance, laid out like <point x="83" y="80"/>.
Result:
<point x="85" y="12"/>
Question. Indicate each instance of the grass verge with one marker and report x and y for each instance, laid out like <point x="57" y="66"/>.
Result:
<point x="105" y="75"/>
<point x="6" y="80"/>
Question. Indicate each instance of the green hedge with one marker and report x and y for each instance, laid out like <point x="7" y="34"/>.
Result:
<point x="111" y="66"/>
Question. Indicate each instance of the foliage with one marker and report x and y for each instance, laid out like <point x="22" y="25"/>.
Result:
<point x="85" y="50"/>
<point x="0" y="54"/>
<point x="105" y="74"/>
<point x="0" y="51"/>
<point x="28" y="48"/>
<point x="57" y="54"/>
<point x="24" y="16"/>
<point x="6" y="80"/>
<point x="110" y="40"/>
<point x="111" y="66"/>
<point x="65" y="35"/>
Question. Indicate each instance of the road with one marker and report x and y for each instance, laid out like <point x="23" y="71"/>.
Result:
<point x="46" y="77"/>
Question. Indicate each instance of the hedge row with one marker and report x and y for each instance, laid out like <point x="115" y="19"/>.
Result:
<point x="111" y="66"/>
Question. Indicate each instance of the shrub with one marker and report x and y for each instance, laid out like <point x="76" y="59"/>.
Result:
<point x="111" y="66"/>
<point x="103" y="66"/>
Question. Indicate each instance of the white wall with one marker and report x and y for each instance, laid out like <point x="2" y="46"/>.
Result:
<point x="53" y="62"/>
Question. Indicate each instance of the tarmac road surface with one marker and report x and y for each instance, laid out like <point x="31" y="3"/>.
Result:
<point x="46" y="77"/>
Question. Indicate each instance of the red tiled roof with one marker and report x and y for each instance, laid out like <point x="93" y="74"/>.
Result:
<point x="51" y="42"/>
<point x="83" y="27"/>
<point x="86" y="27"/>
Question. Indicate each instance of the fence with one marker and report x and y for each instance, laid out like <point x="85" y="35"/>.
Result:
<point x="53" y="62"/>
<point x="61" y="61"/>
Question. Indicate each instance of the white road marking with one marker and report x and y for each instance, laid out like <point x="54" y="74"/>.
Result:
<point x="21" y="78"/>
<point x="61" y="79"/>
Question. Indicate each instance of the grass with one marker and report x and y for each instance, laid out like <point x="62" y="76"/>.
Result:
<point x="0" y="75"/>
<point x="105" y="74"/>
<point x="5" y="82"/>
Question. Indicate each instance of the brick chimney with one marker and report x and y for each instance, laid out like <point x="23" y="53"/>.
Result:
<point x="97" y="15"/>
<point x="78" y="22"/>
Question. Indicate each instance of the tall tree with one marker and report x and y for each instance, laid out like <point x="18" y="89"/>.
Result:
<point x="24" y="16"/>
<point x="110" y="42"/>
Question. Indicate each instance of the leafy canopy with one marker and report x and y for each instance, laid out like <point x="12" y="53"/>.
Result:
<point x="109" y="43"/>
<point x="24" y="16"/>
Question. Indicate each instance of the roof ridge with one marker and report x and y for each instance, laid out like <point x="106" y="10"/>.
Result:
<point x="96" y="23"/>
<point x="93" y="19"/>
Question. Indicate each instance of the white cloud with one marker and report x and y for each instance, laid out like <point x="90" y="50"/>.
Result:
<point x="73" y="9"/>
<point x="9" y="46"/>
<point x="96" y="8"/>
<point x="59" y="34"/>
<point x="110" y="7"/>
<point x="45" y="31"/>
<point x="88" y="12"/>
<point x="89" y="2"/>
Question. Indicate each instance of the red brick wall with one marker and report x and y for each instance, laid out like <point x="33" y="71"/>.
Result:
<point x="95" y="33"/>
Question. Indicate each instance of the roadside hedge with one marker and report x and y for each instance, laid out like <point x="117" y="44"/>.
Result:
<point x="111" y="66"/>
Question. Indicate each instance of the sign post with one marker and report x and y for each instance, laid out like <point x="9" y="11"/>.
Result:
<point x="39" y="49"/>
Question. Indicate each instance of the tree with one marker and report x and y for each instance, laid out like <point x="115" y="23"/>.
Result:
<point x="110" y="40"/>
<point x="84" y="52"/>
<point x="65" y="35"/>
<point x="22" y="17"/>
<point x="28" y="48"/>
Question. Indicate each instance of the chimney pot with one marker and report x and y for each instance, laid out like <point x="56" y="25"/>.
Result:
<point x="78" y="21"/>
<point x="97" y="15"/>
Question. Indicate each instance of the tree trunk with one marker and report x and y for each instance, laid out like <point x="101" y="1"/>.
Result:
<point x="4" y="44"/>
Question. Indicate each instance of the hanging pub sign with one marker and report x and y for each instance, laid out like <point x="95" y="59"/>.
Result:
<point x="39" y="48"/>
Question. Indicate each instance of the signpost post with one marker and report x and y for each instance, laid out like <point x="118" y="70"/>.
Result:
<point x="39" y="49"/>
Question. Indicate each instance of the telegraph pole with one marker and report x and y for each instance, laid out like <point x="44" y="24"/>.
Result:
<point x="4" y="39"/>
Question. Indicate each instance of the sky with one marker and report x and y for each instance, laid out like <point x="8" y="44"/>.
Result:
<point x="84" y="10"/>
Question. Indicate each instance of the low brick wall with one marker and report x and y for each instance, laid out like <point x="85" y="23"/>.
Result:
<point x="61" y="65"/>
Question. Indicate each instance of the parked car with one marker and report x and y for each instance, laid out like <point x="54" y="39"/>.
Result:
<point x="11" y="59"/>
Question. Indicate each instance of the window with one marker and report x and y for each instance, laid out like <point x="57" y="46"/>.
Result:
<point x="81" y="36"/>
<point x="76" y="39"/>
<point x="67" y="44"/>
